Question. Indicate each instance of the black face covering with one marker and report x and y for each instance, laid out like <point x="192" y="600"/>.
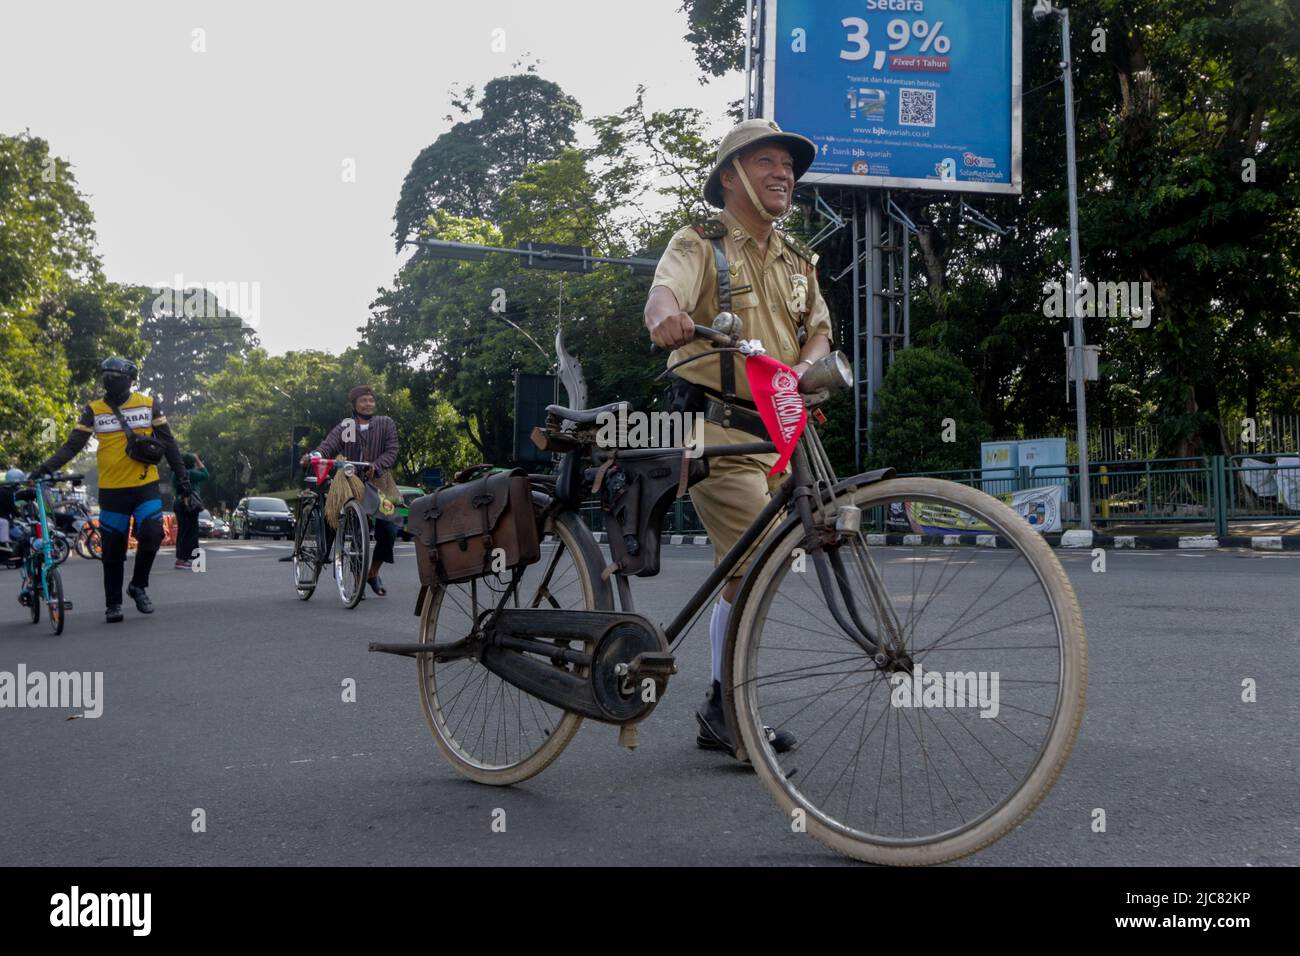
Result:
<point x="117" y="387"/>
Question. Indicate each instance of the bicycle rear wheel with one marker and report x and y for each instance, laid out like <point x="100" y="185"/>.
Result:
<point x="952" y="738"/>
<point x="491" y="731"/>
<point x="351" y="554"/>
<point x="54" y="599"/>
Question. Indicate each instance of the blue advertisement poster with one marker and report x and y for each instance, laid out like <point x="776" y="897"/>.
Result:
<point x="912" y="94"/>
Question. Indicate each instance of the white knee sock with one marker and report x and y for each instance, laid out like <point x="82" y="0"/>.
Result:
<point x="718" y="633"/>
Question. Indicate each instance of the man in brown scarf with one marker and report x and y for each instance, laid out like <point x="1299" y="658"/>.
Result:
<point x="373" y="438"/>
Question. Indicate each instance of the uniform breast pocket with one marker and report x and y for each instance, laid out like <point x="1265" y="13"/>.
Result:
<point x="744" y="300"/>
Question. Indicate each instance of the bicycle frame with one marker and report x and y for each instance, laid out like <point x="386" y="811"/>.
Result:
<point x="798" y="489"/>
<point x="31" y="569"/>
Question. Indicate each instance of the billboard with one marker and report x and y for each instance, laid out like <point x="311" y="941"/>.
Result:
<point x="907" y="94"/>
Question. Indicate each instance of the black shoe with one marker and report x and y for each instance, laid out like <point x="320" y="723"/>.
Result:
<point x="142" y="602"/>
<point x="715" y="735"/>
<point x="113" y="614"/>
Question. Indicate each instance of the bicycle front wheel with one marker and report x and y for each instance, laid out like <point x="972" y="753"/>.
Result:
<point x="35" y="596"/>
<point x="351" y="554"/>
<point x="944" y="728"/>
<point x="309" y="551"/>
<point x="54" y="599"/>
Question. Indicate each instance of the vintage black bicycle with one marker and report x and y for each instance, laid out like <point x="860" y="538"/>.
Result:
<point x="935" y="693"/>
<point x="315" y="544"/>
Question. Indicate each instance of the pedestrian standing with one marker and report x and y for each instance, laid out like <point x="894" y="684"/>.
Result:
<point x="187" y="518"/>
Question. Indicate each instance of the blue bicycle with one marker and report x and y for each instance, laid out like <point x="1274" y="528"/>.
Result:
<point x="42" y="583"/>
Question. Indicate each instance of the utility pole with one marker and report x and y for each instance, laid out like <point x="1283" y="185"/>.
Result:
<point x="1042" y="11"/>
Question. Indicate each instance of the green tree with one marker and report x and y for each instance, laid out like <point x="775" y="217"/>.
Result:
<point x="191" y="334"/>
<point x="253" y="403"/>
<point x="523" y="120"/>
<point x="57" y="312"/>
<point x="717" y="32"/>
<point x="923" y="389"/>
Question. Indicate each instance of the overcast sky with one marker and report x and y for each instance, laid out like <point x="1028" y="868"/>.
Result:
<point x="227" y="165"/>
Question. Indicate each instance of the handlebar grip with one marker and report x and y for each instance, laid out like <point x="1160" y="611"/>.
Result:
<point x="703" y="331"/>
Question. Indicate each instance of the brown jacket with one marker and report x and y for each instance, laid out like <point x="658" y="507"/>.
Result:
<point x="377" y="445"/>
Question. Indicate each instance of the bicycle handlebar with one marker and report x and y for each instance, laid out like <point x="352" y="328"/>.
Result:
<point x="53" y="479"/>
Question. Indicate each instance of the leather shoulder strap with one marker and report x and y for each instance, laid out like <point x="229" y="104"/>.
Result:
<point x="121" y="420"/>
<point x="728" y="360"/>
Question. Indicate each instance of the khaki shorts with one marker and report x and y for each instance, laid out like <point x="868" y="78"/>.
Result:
<point x="736" y="490"/>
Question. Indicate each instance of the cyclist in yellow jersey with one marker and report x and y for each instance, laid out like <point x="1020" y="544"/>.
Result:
<point x="128" y="487"/>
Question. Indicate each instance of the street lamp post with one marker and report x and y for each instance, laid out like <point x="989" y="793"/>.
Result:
<point x="1042" y="11"/>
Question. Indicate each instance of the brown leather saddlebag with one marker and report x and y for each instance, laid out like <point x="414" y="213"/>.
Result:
<point x="457" y="529"/>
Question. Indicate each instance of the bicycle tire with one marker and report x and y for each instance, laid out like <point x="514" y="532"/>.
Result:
<point x="351" y="547"/>
<point x="56" y="613"/>
<point x="571" y="534"/>
<point x="90" y="540"/>
<point x="740" y="681"/>
<point x="312" y="521"/>
<point x="35" y="597"/>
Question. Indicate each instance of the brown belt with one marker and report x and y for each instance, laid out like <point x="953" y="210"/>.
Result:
<point x="733" y="416"/>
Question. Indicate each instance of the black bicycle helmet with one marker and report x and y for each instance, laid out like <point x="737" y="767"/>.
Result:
<point x="121" y="366"/>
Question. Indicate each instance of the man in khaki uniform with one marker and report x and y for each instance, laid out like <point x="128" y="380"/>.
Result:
<point x="771" y="280"/>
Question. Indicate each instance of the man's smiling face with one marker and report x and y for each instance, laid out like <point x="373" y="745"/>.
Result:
<point x="771" y="172"/>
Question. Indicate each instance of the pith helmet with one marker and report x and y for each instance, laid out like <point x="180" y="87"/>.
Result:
<point x="750" y="133"/>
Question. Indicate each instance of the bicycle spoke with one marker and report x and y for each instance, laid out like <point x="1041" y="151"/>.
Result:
<point x="972" y="627"/>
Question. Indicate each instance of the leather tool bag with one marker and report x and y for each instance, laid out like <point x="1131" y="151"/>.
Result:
<point x="458" y="528"/>
<point x="634" y="498"/>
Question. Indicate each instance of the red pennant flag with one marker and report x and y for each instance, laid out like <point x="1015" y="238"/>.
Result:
<point x="775" y="389"/>
<point x="322" y="468"/>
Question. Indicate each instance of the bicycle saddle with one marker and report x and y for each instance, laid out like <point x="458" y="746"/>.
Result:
<point x="587" y="416"/>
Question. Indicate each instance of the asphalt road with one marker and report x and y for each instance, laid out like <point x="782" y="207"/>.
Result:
<point x="229" y="700"/>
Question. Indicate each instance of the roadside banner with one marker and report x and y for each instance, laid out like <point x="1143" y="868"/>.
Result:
<point x="1040" y="507"/>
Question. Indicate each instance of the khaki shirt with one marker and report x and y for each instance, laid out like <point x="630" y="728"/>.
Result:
<point x="763" y="294"/>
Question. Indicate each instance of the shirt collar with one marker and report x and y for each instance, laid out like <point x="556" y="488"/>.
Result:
<point x="775" y="245"/>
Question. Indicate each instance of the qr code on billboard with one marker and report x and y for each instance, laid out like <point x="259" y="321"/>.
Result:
<point x="916" y="107"/>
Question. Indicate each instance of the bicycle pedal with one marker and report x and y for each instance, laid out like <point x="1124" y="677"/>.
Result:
<point x="653" y="664"/>
<point x="67" y="605"/>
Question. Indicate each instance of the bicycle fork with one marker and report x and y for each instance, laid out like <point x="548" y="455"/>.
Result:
<point x="812" y="469"/>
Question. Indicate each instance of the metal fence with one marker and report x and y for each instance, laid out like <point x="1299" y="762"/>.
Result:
<point x="1267" y="486"/>
<point x="1218" y="489"/>
<point x="681" y="517"/>
<point x="1265" y="435"/>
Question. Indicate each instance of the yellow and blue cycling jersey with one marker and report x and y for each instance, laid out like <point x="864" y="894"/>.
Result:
<point x="143" y="414"/>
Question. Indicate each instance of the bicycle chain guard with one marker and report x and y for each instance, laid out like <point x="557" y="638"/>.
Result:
<point x="629" y="651"/>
